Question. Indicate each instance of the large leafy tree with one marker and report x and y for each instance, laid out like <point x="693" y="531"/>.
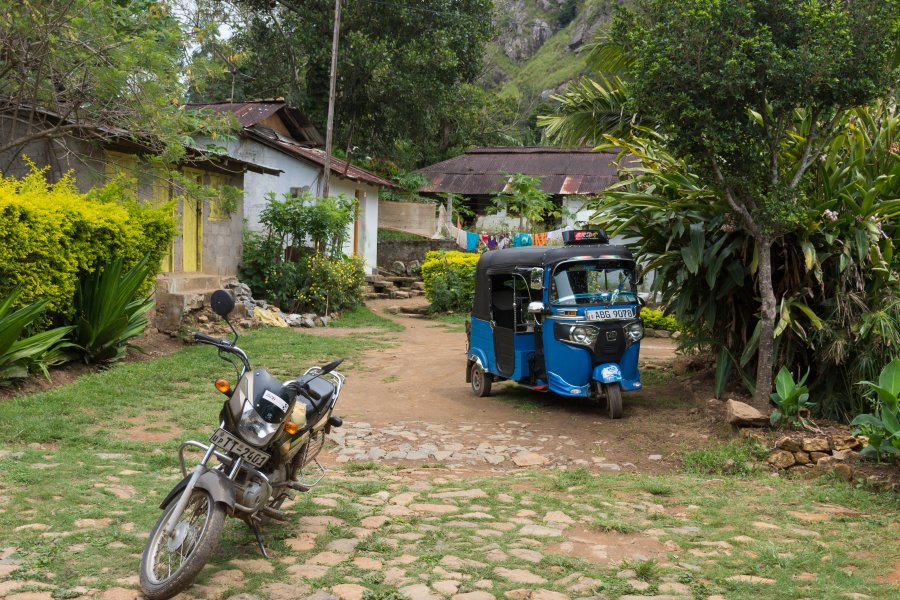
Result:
<point x="405" y="69"/>
<point x="97" y="67"/>
<point x="751" y="93"/>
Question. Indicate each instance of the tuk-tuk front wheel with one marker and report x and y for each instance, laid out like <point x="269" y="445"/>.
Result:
<point x="481" y="381"/>
<point x="613" y="394"/>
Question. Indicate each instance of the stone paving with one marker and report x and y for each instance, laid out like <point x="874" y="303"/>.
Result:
<point x="506" y="445"/>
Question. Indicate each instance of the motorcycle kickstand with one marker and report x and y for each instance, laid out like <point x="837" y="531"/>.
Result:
<point x="254" y="525"/>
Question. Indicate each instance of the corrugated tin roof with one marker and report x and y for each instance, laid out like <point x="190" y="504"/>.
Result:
<point x="565" y="171"/>
<point x="316" y="155"/>
<point x="253" y="113"/>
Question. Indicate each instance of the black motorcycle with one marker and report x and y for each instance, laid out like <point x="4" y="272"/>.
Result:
<point x="269" y="433"/>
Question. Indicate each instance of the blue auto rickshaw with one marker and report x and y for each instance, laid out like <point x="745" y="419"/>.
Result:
<point x="563" y="319"/>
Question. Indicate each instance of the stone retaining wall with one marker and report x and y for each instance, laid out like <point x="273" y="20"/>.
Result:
<point x="408" y="251"/>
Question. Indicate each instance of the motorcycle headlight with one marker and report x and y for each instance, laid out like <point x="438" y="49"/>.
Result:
<point x="254" y="428"/>
<point x="583" y="334"/>
<point x="634" y="332"/>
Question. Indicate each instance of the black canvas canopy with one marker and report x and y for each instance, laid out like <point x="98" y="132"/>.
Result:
<point x="511" y="260"/>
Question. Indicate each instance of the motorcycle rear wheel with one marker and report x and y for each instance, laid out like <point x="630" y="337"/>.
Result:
<point x="199" y="529"/>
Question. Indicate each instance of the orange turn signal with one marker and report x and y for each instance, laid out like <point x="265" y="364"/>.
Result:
<point x="291" y="428"/>
<point x="223" y="386"/>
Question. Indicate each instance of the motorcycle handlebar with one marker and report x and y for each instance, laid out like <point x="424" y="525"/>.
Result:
<point x="205" y="339"/>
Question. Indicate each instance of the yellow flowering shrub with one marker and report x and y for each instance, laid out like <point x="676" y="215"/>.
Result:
<point x="449" y="279"/>
<point x="51" y="234"/>
<point x="331" y="284"/>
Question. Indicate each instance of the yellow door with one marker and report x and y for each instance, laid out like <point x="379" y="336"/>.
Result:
<point x="192" y="228"/>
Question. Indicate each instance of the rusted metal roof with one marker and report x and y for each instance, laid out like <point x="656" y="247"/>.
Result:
<point x="250" y="114"/>
<point x="317" y="155"/>
<point x="564" y="171"/>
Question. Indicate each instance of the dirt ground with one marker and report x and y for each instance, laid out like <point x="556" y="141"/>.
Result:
<point x="412" y="400"/>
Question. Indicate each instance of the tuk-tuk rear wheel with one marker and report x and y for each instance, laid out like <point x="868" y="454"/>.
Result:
<point x="613" y="394"/>
<point x="481" y="381"/>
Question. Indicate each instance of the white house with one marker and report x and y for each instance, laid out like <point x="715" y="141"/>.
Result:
<point x="282" y="138"/>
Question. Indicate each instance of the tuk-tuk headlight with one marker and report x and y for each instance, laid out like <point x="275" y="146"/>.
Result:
<point x="583" y="334"/>
<point x="634" y="332"/>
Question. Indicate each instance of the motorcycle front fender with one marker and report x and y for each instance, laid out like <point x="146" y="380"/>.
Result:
<point x="215" y="482"/>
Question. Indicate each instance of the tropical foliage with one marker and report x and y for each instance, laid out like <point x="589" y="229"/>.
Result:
<point x="835" y="276"/>
<point x="20" y="353"/>
<point x="791" y="400"/>
<point x="523" y="197"/>
<point x="883" y="426"/>
<point x="110" y="310"/>
<point x="745" y="100"/>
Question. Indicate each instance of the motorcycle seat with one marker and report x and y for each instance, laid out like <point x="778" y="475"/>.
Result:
<point x="322" y="388"/>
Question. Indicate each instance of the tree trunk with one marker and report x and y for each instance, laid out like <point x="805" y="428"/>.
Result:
<point x="767" y="328"/>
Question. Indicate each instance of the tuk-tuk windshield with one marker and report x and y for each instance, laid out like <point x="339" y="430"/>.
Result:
<point x="586" y="282"/>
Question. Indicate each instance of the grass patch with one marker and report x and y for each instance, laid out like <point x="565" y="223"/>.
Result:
<point x="389" y="235"/>
<point x="733" y="458"/>
<point x="362" y="316"/>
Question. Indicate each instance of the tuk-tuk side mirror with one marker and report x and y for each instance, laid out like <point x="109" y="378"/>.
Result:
<point x="641" y="301"/>
<point x="536" y="308"/>
<point x="537" y="280"/>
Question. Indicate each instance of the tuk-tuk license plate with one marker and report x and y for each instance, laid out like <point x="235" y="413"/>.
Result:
<point x="229" y="443"/>
<point x="608" y="314"/>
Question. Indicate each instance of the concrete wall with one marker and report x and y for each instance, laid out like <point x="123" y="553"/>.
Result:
<point x="407" y="251"/>
<point x="413" y="217"/>
<point x="300" y="173"/>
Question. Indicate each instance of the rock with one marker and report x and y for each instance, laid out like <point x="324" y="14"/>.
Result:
<point x="542" y="594"/>
<point x="816" y="444"/>
<point x="655" y="457"/>
<point x="419" y="591"/>
<point x="743" y="415"/>
<point x="307" y="571"/>
<point x="788" y="443"/>
<point x="844" y="454"/>
<point x="349" y="591"/>
<point x="540" y="531"/>
<point x="801" y="457"/>
<point x="845" y="442"/>
<point x="254" y="564"/>
<point x="116" y="593"/>
<point x="446" y="586"/>
<point x="398" y="268"/>
<point x="473" y="596"/>
<point x="519" y="575"/>
<point x="557" y="516"/>
<point x="843" y="471"/>
<point x="751" y="579"/>
<point x="781" y="459"/>
<point x="328" y="558"/>
<point x="434" y="508"/>
<point x="472" y="493"/>
<point x="527" y="555"/>
<point x="638" y="585"/>
<point x="529" y="459"/>
<point x="817" y="456"/>
<point x="675" y="588"/>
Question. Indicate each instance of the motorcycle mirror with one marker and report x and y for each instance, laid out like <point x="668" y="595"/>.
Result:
<point x="222" y="303"/>
<point x="331" y="366"/>
<point x="536" y="307"/>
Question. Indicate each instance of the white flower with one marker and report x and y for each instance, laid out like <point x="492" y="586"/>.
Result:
<point x="830" y="215"/>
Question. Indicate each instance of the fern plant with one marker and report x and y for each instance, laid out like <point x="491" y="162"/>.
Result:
<point x="110" y="310"/>
<point x="21" y="356"/>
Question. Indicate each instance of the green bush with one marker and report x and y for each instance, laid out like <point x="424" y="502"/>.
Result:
<point x="654" y="319"/>
<point x="21" y="354"/>
<point x="110" y="310"/>
<point x="51" y="235"/>
<point x="449" y="279"/>
<point x="330" y="284"/>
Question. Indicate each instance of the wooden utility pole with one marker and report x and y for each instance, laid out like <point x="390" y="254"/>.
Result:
<point x="329" y="125"/>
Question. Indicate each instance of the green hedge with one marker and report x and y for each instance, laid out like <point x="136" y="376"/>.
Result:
<point x="654" y="319"/>
<point x="449" y="279"/>
<point x="51" y="234"/>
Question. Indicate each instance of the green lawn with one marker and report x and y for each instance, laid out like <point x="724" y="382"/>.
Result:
<point x="78" y="492"/>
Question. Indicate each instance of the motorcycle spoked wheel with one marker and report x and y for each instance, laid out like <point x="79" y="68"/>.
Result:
<point x="168" y="567"/>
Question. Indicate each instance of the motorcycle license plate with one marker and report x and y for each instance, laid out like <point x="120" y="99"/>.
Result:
<point x="609" y="314"/>
<point x="229" y="443"/>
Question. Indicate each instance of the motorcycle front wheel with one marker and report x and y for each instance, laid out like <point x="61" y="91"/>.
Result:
<point x="170" y="565"/>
